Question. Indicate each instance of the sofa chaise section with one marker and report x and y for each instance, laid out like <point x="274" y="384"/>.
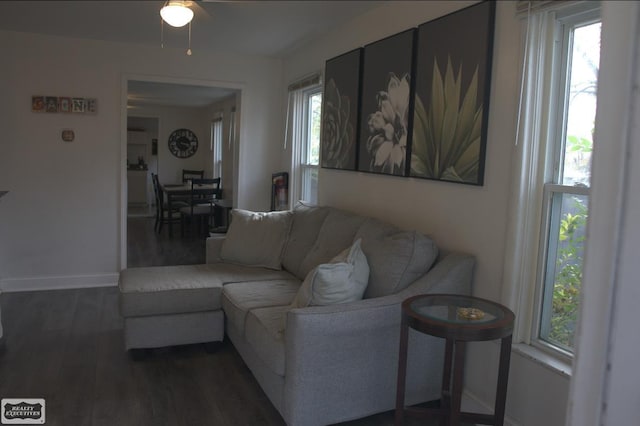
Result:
<point x="177" y="305"/>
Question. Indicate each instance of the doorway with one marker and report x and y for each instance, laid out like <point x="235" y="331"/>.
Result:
<point x="153" y="108"/>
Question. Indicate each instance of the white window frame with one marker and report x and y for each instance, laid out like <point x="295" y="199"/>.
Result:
<point x="537" y="162"/>
<point x="300" y="122"/>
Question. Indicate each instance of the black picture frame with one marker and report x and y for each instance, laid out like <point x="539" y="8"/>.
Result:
<point x="386" y="110"/>
<point x="453" y="67"/>
<point x="341" y="111"/>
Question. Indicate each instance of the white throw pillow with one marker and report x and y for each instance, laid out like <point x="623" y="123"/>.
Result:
<point x="343" y="279"/>
<point x="256" y="238"/>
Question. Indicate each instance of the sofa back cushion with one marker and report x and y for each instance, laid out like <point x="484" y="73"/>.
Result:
<point x="336" y="234"/>
<point x="396" y="258"/>
<point x="305" y="226"/>
<point x="256" y="238"/>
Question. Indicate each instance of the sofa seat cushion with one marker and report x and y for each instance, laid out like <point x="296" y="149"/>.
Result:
<point x="161" y="290"/>
<point x="263" y="331"/>
<point x="240" y="298"/>
<point x="232" y="273"/>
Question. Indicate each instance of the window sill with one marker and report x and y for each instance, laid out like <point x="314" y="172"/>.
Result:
<point x="542" y="358"/>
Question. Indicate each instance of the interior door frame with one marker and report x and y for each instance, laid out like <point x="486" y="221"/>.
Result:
<point x="124" y="90"/>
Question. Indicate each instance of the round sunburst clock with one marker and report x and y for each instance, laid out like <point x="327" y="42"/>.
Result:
<point x="183" y="143"/>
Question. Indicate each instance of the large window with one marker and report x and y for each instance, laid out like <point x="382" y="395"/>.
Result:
<point x="566" y="194"/>
<point x="305" y="114"/>
<point x="558" y="120"/>
<point x="216" y="146"/>
<point x="311" y="147"/>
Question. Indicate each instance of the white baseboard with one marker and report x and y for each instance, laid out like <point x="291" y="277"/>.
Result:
<point x="58" y="283"/>
<point x="471" y="403"/>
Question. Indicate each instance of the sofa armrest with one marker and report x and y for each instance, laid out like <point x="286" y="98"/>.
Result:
<point x="213" y="248"/>
<point x="346" y="355"/>
<point x="452" y="274"/>
<point x="348" y="360"/>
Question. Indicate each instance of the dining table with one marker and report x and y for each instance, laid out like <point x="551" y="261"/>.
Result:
<point x="180" y="191"/>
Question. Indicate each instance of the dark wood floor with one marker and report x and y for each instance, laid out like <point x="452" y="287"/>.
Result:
<point x="66" y="346"/>
<point x="145" y="247"/>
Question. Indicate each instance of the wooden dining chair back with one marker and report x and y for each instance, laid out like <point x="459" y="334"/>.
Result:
<point x="202" y="206"/>
<point x="158" y="199"/>
<point x="191" y="174"/>
<point x="163" y="215"/>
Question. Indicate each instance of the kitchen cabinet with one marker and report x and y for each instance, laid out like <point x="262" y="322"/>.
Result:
<point x="137" y="186"/>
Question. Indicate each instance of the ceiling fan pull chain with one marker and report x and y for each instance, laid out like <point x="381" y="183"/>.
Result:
<point x="161" y="33"/>
<point x="189" y="49"/>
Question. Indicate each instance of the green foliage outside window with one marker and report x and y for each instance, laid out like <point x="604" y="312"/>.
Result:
<point x="566" y="289"/>
<point x="569" y="261"/>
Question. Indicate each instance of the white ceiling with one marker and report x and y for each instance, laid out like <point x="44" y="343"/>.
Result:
<point x="270" y="28"/>
<point x="266" y="28"/>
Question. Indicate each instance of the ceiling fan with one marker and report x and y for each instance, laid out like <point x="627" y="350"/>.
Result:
<point x="179" y="13"/>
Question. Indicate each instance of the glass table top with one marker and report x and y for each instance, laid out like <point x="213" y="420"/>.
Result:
<point x="458" y="310"/>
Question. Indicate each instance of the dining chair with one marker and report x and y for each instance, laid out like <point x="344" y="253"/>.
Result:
<point x="191" y="174"/>
<point x="201" y="207"/>
<point x="163" y="215"/>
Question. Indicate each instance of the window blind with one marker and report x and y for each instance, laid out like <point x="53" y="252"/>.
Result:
<point x="312" y="80"/>
<point x="524" y="7"/>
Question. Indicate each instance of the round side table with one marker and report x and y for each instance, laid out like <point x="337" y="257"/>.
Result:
<point x="458" y="319"/>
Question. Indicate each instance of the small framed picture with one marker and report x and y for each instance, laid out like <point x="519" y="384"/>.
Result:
<point x="51" y="103"/>
<point x="37" y="103"/>
<point x="78" y="105"/>
<point x="279" y="191"/>
<point x="64" y="104"/>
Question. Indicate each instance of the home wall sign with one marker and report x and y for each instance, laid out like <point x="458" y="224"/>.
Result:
<point x="64" y="104"/>
<point x="183" y="143"/>
<point x="423" y="96"/>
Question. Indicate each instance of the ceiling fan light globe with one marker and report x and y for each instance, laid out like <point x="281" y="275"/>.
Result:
<point x="176" y="14"/>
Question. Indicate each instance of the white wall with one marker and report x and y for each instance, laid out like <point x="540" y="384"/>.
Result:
<point x="60" y="224"/>
<point x="459" y="217"/>
<point x="172" y="118"/>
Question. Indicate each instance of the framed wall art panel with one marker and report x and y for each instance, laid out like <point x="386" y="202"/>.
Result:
<point x="340" y="111"/>
<point x="451" y="103"/>
<point x="385" y="109"/>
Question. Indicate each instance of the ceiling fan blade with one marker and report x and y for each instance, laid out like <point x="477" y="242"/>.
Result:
<point x="201" y="12"/>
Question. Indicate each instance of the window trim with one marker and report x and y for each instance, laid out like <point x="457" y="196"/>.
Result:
<point x="299" y="124"/>
<point x="534" y="147"/>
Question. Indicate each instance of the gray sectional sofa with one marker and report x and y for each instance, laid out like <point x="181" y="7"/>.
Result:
<point x="323" y="353"/>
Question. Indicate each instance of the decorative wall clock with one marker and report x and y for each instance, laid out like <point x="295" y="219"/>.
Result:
<point x="183" y="143"/>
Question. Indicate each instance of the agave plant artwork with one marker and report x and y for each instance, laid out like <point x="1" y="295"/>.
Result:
<point x="447" y="132"/>
<point x="387" y="143"/>
<point x="338" y="135"/>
